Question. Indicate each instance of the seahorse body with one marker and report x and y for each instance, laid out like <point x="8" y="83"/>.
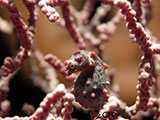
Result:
<point x="90" y="86"/>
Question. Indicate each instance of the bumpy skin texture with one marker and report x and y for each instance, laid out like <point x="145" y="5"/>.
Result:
<point x="90" y="86"/>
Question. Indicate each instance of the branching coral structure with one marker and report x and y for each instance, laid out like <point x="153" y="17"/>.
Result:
<point x="92" y="90"/>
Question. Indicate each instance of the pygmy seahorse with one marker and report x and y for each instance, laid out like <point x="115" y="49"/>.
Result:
<point x="90" y="86"/>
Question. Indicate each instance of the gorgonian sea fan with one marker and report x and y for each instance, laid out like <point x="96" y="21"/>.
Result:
<point x="93" y="90"/>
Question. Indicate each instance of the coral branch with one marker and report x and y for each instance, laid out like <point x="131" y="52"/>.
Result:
<point x="145" y="80"/>
<point x="135" y="28"/>
<point x="3" y="2"/>
<point x="50" y="82"/>
<point x="58" y="65"/>
<point x="116" y="105"/>
<point x="24" y="35"/>
<point x="68" y="108"/>
<point x="87" y="10"/>
<point x="33" y="14"/>
<point x="89" y="28"/>
<point x="45" y="105"/>
<point x="71" y="27"/>
<point x="12" y="65"/>
<point x="28" y="109"/>
<point x="47" y="8"/>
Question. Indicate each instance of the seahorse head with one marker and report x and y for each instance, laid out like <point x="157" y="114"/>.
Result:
<point x="80" y="60"/>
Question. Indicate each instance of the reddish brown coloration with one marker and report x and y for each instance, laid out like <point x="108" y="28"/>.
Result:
<point x="84" y="93"/>
<point x="105" y="66"/>
<point x="28" y="109"/>
<point x="79" y="59"/>
<point x="89" y="85"/>
<point x="93" y="95"/>
<point x="86" y="27"/>
<point x="57" y="64"/>
<point x="91" y="65"/>
<point x="93" y="55"/>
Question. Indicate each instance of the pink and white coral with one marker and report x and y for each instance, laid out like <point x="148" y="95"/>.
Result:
<point x="93" y="86"/>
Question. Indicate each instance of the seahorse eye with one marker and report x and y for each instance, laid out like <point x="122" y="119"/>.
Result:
<point x="71" y="66"/>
